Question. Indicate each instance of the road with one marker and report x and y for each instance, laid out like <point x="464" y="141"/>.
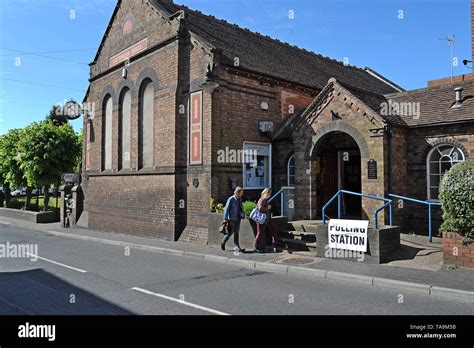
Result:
<point x="81" y="277"/>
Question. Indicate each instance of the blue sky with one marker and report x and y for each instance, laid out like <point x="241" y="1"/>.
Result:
<point x="367" y="32"/>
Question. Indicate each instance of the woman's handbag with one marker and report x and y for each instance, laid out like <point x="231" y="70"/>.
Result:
<point x="226" y="228"/>
<point x="258" y="217"/>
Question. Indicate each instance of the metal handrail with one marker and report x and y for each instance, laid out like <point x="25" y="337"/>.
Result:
<point x="338" y="195"/>
<point x="280" y="193"/>
<point x="428" y="203"/>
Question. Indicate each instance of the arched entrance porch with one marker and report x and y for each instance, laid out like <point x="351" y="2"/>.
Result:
<point x="336" y="154"/>
<point x="337" y="166"/>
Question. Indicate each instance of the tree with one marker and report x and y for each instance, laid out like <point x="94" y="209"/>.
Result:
<point x="47" y="151"/>
<point x="12" y="174"/>
<point x="55" y="117"/>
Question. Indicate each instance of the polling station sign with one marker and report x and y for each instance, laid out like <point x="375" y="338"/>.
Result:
<point x="348" y="234"/>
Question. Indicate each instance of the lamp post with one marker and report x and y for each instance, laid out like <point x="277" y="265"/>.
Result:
<point x="209" y="84"/>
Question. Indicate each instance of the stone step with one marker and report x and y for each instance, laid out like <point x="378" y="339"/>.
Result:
<point x="304" y="225"/>
<point x="308" y="237"/>
<point x="297" y="244"/>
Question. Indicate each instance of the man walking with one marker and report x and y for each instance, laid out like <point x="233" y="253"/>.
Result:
<point x="233" y="214"/>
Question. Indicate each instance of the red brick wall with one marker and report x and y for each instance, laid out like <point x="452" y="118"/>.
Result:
<point x="399" y="175"/>
<point x="447" y="80"/>
<point x="236" y="116"/>
<point x="454" y="252"/>
<point x="150" y="201"/>
<point x="193" y="68"/>
<point x="139" y="202"/>
<point x="419" y="142"/>
<point x="146" y="20"/>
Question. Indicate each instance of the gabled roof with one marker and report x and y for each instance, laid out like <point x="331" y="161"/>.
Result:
<point x="371" y="101"/>
<point x="436" y="104"/>
<point x="268" y="56"/>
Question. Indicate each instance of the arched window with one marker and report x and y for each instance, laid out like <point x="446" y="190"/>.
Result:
<point x="440" y="159"/>
<point x="107" y="114"/>
<point x="124" y="128"/>
<point x="146" y="124"/>
<point x="291" y="171"/>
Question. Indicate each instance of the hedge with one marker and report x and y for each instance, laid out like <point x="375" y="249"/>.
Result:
<point x="456" y="194"/>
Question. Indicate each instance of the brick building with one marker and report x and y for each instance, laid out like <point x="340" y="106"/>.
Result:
<point x="179" y="93"/>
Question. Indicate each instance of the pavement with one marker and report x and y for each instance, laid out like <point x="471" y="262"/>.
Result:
<point x="419" y="253"/>
<point x="91" y="272"/>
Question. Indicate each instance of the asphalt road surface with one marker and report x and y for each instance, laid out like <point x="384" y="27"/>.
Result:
<point x="80" y="277"/>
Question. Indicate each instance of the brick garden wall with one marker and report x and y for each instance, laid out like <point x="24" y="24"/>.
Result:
<point x="455" y="253"/>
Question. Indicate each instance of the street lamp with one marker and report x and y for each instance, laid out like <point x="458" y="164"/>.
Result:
<point x="208" y="84"/>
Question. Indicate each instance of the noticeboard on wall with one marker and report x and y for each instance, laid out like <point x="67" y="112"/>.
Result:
<point x="257" y="167"/>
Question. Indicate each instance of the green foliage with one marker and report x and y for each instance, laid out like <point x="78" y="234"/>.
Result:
<point x="216" y="207"/>
<point x="248" y="207"/>
<point x="456" y="194"/>
<point x="10" y="169"/>
<point x="52" y="116"/>
<point x="46" y="151"/>
<point x="19" y="203"/>
<point x="212" y="204"/>
<point x="220" y="208"/>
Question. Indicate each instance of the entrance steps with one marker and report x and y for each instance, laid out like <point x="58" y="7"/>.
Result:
<point x="300" y="236"/>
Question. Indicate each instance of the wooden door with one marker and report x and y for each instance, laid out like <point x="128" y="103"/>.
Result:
<point x="329" y="180"/>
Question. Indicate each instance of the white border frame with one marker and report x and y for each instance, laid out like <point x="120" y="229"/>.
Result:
<point x="270" y="164"/>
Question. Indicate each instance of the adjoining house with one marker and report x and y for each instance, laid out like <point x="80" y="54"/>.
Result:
<point x="189" y="106"/>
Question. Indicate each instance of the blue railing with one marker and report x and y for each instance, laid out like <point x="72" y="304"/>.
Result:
<point x="428" y="203"/>
<point x="280" y="193"/>
<point x="338" y="195"/>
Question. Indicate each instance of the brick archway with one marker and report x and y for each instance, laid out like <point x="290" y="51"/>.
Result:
<point x="333" y="174"/>
<point x="339" y="126"/>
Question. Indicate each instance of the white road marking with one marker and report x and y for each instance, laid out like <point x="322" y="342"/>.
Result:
<point x="57" y="263"/>
<point x="6" y="223"/>
<point x="205" y="309"/>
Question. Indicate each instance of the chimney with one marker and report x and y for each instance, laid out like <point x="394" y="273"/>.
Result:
<point x="458" y="92"/>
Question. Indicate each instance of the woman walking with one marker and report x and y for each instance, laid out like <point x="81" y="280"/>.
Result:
<point x="264" y="208"/>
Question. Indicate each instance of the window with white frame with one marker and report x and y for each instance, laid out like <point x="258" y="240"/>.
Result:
<point x="439" y="161"/>
<point x="291" y="171"/>
<point x="257" y="165"/>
